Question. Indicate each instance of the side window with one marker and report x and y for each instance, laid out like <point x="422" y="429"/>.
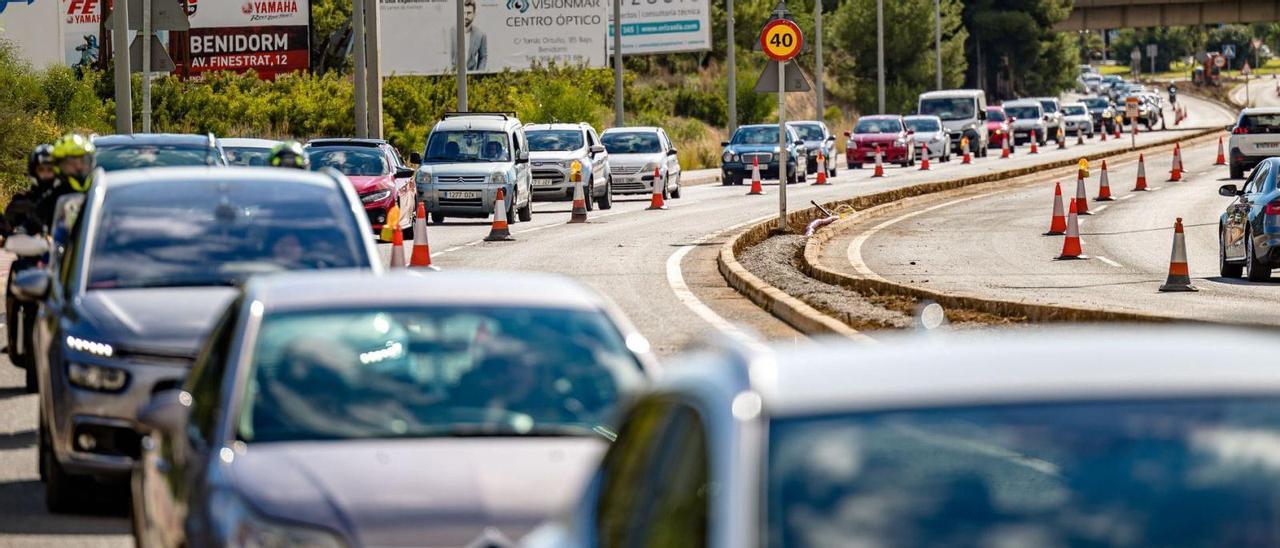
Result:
<point x="516" y="145"/>
<point x="591" y="138"/>
<point x="1256" y="178"/>
<point x="206" y="376"/>
<point x="654" y="481"/>
<point x="662" y="137"/>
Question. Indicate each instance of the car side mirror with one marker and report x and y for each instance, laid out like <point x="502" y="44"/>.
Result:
<point x="415" y="158"/>
<point x="798" y="142"/>
<point x="846" y="134"/>
<point x="597" y="149"/>
<point x="1229" y="191"/>
<point x="403" y="173"/>
<point x="166" y="412"/>
<point x="832" y="137"/>
<point x="982" y="115"/>
<point x="1231" y="127"/>
<point x="724" y="143"/>
<point x="522" y="158"/>
<point x="31" y="285"/>
<point x="25" y="245"/>
<point x="671" y="152"/>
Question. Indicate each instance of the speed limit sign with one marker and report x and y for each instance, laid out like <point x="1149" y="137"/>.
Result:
<point x="781" y="40"/>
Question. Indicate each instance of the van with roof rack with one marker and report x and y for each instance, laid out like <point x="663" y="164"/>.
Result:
<point x="468" y="157"/>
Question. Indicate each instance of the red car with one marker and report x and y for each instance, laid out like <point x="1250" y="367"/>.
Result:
<point x="999" y="128"/>
<point x="886" y="131"/>
<point x="375" y="170"/>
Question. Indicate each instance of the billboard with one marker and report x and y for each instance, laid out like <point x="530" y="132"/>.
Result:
<point x="269" y="36"/>
<point x="418" y="36"/>
<point x="663" y="26"/>
<point x="80" y="40"/>
<point x="35" y="30"/>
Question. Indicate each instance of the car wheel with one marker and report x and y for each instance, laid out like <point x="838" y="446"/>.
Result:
<point x="727" y="180"/>
<point x="832" y="173"/>
<point x="591" y="195"/>
<point x="1237" y="171"/>
<point x="1226" y="269"/>
<point x="63" y="492"/>
<point x="1254" y="269"/>
<point x="406" y="226"/>
<point x="666" y="193"/>
<point x="511" y="209"/>
<point x="855" y="166"/>
<point x="437" y="218"/>
<point x="606" y="201"/>
<point x="525" y="214"/>
<point x="675" y="193"/>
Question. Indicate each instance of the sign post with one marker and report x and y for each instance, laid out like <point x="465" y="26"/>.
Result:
<point x="1152" y="49"/>
<point x="1135" y="57"/>
<point x="781" y="41"/>
<point x="1246" y="71"/>
<point x="1131" y="112"/>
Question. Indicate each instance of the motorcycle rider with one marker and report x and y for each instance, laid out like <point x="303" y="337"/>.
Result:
<point x="22" y="217"/>
<point x="289" y="154"/>
<point x="1173" y="93"/>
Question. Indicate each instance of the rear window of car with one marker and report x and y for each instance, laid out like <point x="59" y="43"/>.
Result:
<point x="1049" y="106"/>
<point x="995" y="115"/>
<point x="923" y="125"/>
<point x="1131" y="473"/>
<point x="554" y="140"/>
<point x="1095" y="102"/>
<point x="1074" y="110"/>
<point x="1261" y="123"/>
<point x="631" y="142"/>
<point x="878" y="125"/>
<point x="119" y="157"/>
<point x="352" y="161"/>
<point x="1022" y="112"/>
<point x="761" y="135"/>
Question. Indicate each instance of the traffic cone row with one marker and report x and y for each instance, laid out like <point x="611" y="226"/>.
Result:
<point x="1116" y="133"/>
<point x="421" y="256"/>
<point x="499" y="231"/>
<point x="964" y="146"/>
<point x="1079" y="137"/>
<point x="1082" y="200"/>
<point x="579" y="213"/>
<point x="1104" y="186"/>
<point x="1175" y="172"/>
<point x="1179" y="274"/>
<point x="1058" y="224"/>
<point x="397" y="248"/>
<point x="821" y="179"/>
<point x="1141" y="184"/>
<point x="756" y="187"/>
<point x="1222" y="156"/>
<point x="1062" y="139"/>
<point x="1104" y="134"/>
<point x="924" y="157"/>
<point x="1004" y="147"/>
<point x="1071" y="244"/>
<point x="1034" y="148"/>
<point x="879" y="164"/>
<point x="657" y="201"/>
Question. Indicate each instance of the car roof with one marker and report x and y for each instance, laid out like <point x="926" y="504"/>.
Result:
<point x="805" y="122"/>
<point x="1021" y="103"/>
<point x="945" y="93"/>
<point x="631" y="128"/>
<point x="1260" y="110"/>
<point x="482" y="122"/>
<point x="557" y="125"/>
<point x="151" y="139"/>
<point x="177" y="175"/>
<point x="1017" y="366"/>
<point x="925" y="117"/>
<point x="881" y="117"/>
<point x="335" y="289"/>
<point x="346" y="141"/>
<point x="242" y="142"/>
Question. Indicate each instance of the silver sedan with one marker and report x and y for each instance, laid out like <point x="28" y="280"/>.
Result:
<point x="930" y="131"/>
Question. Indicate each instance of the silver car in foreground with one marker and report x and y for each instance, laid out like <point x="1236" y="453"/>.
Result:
<point x="326" y="410"/>
<point x="998" y="439"/>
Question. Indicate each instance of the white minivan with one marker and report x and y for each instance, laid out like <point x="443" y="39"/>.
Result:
<point x="963" y="113"/>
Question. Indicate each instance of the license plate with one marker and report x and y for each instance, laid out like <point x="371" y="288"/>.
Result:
<point x="544" y="182"/>
<point x="1267" y="145"/>
<point x="462" y="194"/>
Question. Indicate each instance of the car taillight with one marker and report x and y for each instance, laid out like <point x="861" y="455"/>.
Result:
<point x="1273" y="208"/>
<point x="1239" y="130"/>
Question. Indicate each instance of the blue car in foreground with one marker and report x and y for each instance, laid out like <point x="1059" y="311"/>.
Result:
<point x="1249" y="230"/>
<point x="753" y="143"/>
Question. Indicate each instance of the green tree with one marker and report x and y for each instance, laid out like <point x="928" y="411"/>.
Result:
<point x="908" y="51"/>
<point x="1172" y="43"/>
<point x="1014" y="49"/>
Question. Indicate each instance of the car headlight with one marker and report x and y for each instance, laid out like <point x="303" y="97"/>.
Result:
<point x="569" y="163"/>
<point x="90" y="347"/>
<point x="729" y="157"/>
<point x="375" y="196"/>
<point x="649" y="168"/>
<point x="498" y="178"/>
<point x="235" y="524"/>
<point x="97" y="377"/>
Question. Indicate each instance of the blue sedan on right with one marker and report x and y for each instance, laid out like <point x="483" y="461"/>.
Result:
<point x="1249" y="231"/>
<point x="759" y="142"/>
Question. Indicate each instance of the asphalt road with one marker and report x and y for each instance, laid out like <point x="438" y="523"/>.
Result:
<point x="659" y="266"/>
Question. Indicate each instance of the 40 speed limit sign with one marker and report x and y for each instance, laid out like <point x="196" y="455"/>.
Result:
<point x="781" y="40"/>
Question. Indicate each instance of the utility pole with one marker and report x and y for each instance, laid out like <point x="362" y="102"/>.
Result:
<point x="359" y="58"/>
<point x="460" y="56"/>
<point x="124" y="88"/>
<point x="817" y="41"/>
<point x="617" y="64"/>
<point x="373" y="67"/>
<point x="880" y="54"/>
<point x="937" y="36"/>
<point x="733" y="69"/>
<point x="144" y="38"/>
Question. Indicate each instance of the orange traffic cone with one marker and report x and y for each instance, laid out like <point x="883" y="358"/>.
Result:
<point x="657" y="202"/>
<point x="579" y="213"/>
<point x="1222" y="156"/>
<point x="1116" y="133"/>
<point x="924" y="157"/>
<point x="1175" y="174"/>
<point x="1141" y="185"/>
<point x="1104" y="185"/>
<point x="1071" y="244"/>
<point x="879" y="164"/>
<point x="397" y="249"/>
<point x="1104" y="134"/>
<point x="1062" y="139"/>
<point x="1004" y="147"/>
<point x="421" y="256"/>
<point x="1079" y="137"/>
<point x="756" y="187"/>
<point x="1058" y="225"/>
<point x="1082" y="201"/>
<point x="964" y="146"/>
<point x="822" y="170"/>
<point x="1034" y="148"/>
<point x="499" y="232"/>
<point x="393" y="223"/>
<point x="1179" y="275"/>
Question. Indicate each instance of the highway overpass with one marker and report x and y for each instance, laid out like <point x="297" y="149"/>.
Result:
<point x="1111" y="14"/>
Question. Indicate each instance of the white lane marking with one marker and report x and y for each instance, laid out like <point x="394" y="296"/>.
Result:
<point x="1100" y="208"/>
<point x="1109" y="261"/>
<point x="537" y="228"/>
<point x="675" y="279"/>
<point x="1126" y="197"/>
<point x="1154" y="188"/>
<point x="854" y="253"/>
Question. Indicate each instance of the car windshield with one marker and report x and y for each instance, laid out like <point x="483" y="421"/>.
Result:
<point x="354" y="161"/>
<point x="554" y="140"/>
<point x="923" y="125"/>
<point x="1022" y="112"/>
<point x="631" y="142"/>
<point x="1074" y="110"/>
<point x="955" y="108"/>
<point x="118" y="157"/>
<point x="1139" y="473"/>
<point x="808" y="132"/>
<point x="219" y="233"/>
<point x="1049" y="106"/>
<point x="247" y="156"/>
<point x="995" y="116"/>
<point x="446" y="147"/>
<point x="1095" y="102"/>
<point x="440" y="371"/>
<point x="759" y="135"/>
<point x="878" y="125"/>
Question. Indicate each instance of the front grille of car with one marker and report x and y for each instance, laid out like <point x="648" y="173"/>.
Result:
<point x="630" y="186"/>
<point x="763" y="157"/>
<point x="548" y="174"/>
<point x="460" y="179"/>
<point x="624" y="170"/>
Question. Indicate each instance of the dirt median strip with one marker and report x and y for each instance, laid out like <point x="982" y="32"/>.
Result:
<point x="810" y="320"/>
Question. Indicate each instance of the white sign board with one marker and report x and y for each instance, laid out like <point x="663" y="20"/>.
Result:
<point x="663" y="26"/>
<point x="269" y="36"/>
<point x="418" y="36"/>
<point x="1152" y="49"/>
<point x="35" y="29"/>
<point x="1131" y="108"/>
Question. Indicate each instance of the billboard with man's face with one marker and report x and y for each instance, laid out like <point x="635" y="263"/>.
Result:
<point x="419" y="36"/>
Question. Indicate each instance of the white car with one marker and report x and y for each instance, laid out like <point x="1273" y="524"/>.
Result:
<point x="248" y="152"/>
<point x="468" y="157"/>
<point x="930" y="131"/>
<point x="1254" y="137"/>
<point x="553" y="149"/>
<point x="638" y="157"/>
<point x="1076" y="119"/>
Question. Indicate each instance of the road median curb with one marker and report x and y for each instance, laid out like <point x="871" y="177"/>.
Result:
<point x="810" y="320"/>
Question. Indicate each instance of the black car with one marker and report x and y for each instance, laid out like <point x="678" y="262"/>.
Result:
<point x="144" y="272"/>
<point x="139" y="150"/>
<point x="1249" y="231"/>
